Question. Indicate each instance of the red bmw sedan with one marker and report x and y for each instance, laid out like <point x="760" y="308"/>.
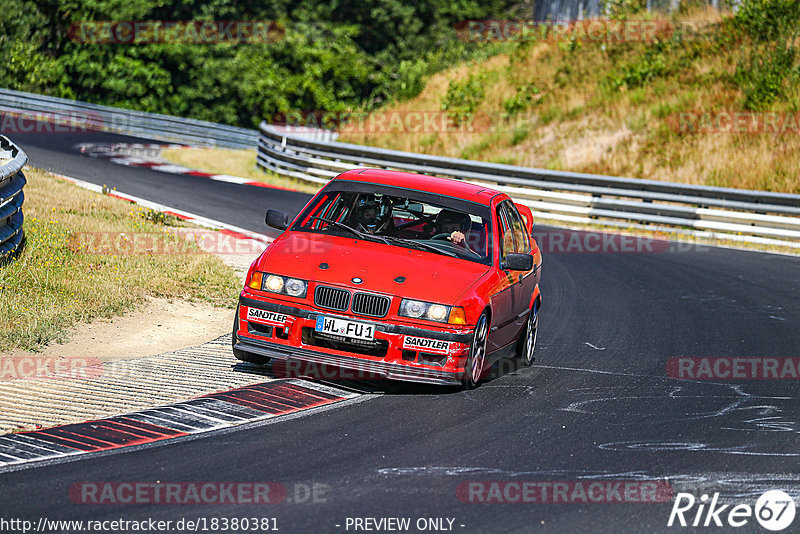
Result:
<point x="398" y="275"/>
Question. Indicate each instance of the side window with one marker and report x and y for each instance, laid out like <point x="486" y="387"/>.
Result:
<point x="506" y="234"/>
<point x="330" y="206"/>
<point x="523" y="245"/>
<point x="328" y="210"/>
<point x="316" y="211"/>
<point x="338" y="210"/>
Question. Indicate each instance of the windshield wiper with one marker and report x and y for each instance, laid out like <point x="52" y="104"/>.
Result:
<point x="425" y="246"/>
<point x="350" y="229"/>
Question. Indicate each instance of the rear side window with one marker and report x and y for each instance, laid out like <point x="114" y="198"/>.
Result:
<point x="505" y="231"/>
<point x="522" y="243"/>
<point x="513" y="235"/>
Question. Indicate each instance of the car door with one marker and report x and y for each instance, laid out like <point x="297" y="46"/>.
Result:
<point x="503" y="299"/>
<point x="524" y="281"/>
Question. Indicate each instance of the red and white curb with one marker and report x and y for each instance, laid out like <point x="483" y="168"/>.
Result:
<point x="148" y="156"/>
<point x="216" y="411"/>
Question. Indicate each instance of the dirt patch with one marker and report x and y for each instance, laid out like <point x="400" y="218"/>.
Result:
<point x="592" y="147"/>
<point x="157" y="326"/>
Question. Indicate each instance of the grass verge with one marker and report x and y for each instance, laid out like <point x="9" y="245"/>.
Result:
<point x="54" y="283"/>
<point x="233" y="162"/>
<point x="616" y="108"/>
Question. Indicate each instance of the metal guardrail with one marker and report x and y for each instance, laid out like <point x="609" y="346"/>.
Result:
<point x="94" y="117"/>
<point x="738" y="214"/>
<point x="12" y="159"/>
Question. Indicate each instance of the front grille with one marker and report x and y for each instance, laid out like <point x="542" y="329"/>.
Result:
<point x="331" y="298"/>
<point x="372" y="305"/>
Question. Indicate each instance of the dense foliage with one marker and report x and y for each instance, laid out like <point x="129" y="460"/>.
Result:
<point x="332" y="56"/>
<point x="773" y="26"/>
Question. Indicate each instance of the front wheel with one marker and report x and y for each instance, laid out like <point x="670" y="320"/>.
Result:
<point x="477" y="354"/>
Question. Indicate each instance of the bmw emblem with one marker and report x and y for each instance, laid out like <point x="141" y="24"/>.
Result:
<point x="357" y="280"/>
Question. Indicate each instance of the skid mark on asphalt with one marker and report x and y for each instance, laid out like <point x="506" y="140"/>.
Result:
<point x="754" y="424"/>
<point x="662" y="446"/>
<point x="210" y="412"/>
<point x="594" y="347"/>
<point x="732" y="486"/>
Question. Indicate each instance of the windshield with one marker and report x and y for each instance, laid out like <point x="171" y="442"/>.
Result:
<point x="403" y="218"/>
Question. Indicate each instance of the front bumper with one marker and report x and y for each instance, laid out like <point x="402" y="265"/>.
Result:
<point x="291" y="337"/>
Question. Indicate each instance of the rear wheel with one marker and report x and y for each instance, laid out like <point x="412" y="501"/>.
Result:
<point x="477" y="353"/>
<point x="241" y="354"/>
<point x="527" y="341"/>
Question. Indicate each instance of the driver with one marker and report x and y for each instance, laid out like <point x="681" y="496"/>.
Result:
<point x="452" y="225"/>
<point x="373" y="214"/>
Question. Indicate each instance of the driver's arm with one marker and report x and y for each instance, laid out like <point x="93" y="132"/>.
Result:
<point x="458" y="238"/>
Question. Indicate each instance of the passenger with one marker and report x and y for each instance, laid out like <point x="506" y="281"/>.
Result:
<point x="452" y="225"/>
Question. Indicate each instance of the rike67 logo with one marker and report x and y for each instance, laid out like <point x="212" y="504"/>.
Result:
<point x="774" y="510"/>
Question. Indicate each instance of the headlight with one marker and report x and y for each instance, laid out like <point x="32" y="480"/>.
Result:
<point x="273" y="283"/>
<point x="412" y="308"/>
<point x="437" y="312"/>
<point x="424" y="310"/>
<point x="294" y="287"/>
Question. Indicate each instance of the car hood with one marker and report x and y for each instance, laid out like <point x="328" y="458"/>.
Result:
<point x="428" y="276"/>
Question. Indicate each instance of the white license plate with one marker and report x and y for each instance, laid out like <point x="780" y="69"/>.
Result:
<point x="345" y="328"/>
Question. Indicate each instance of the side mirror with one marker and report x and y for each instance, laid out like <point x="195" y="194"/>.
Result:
<point x="517" y="262"/>
<point x="277" y="219"/>
<point x="527" y="216"/>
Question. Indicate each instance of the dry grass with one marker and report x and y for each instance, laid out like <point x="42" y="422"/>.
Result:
<point x="232" y="162"/>
<point x="54" y="284"/>
<point x="580" y="120"/>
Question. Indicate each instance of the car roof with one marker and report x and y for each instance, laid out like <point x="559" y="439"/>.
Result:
<point x="421" y="182"/>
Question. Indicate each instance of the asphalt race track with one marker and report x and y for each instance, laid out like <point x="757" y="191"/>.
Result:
<point x="220" y="201"/>
<point x="597" y="406"/>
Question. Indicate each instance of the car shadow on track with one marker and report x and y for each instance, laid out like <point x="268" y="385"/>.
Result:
<point x="372" y="384"/>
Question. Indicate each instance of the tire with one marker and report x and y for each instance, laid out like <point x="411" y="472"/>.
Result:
<point x="526" y="346"/>
<point x="244" y="355"/>
<point x="477" y="353"/>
